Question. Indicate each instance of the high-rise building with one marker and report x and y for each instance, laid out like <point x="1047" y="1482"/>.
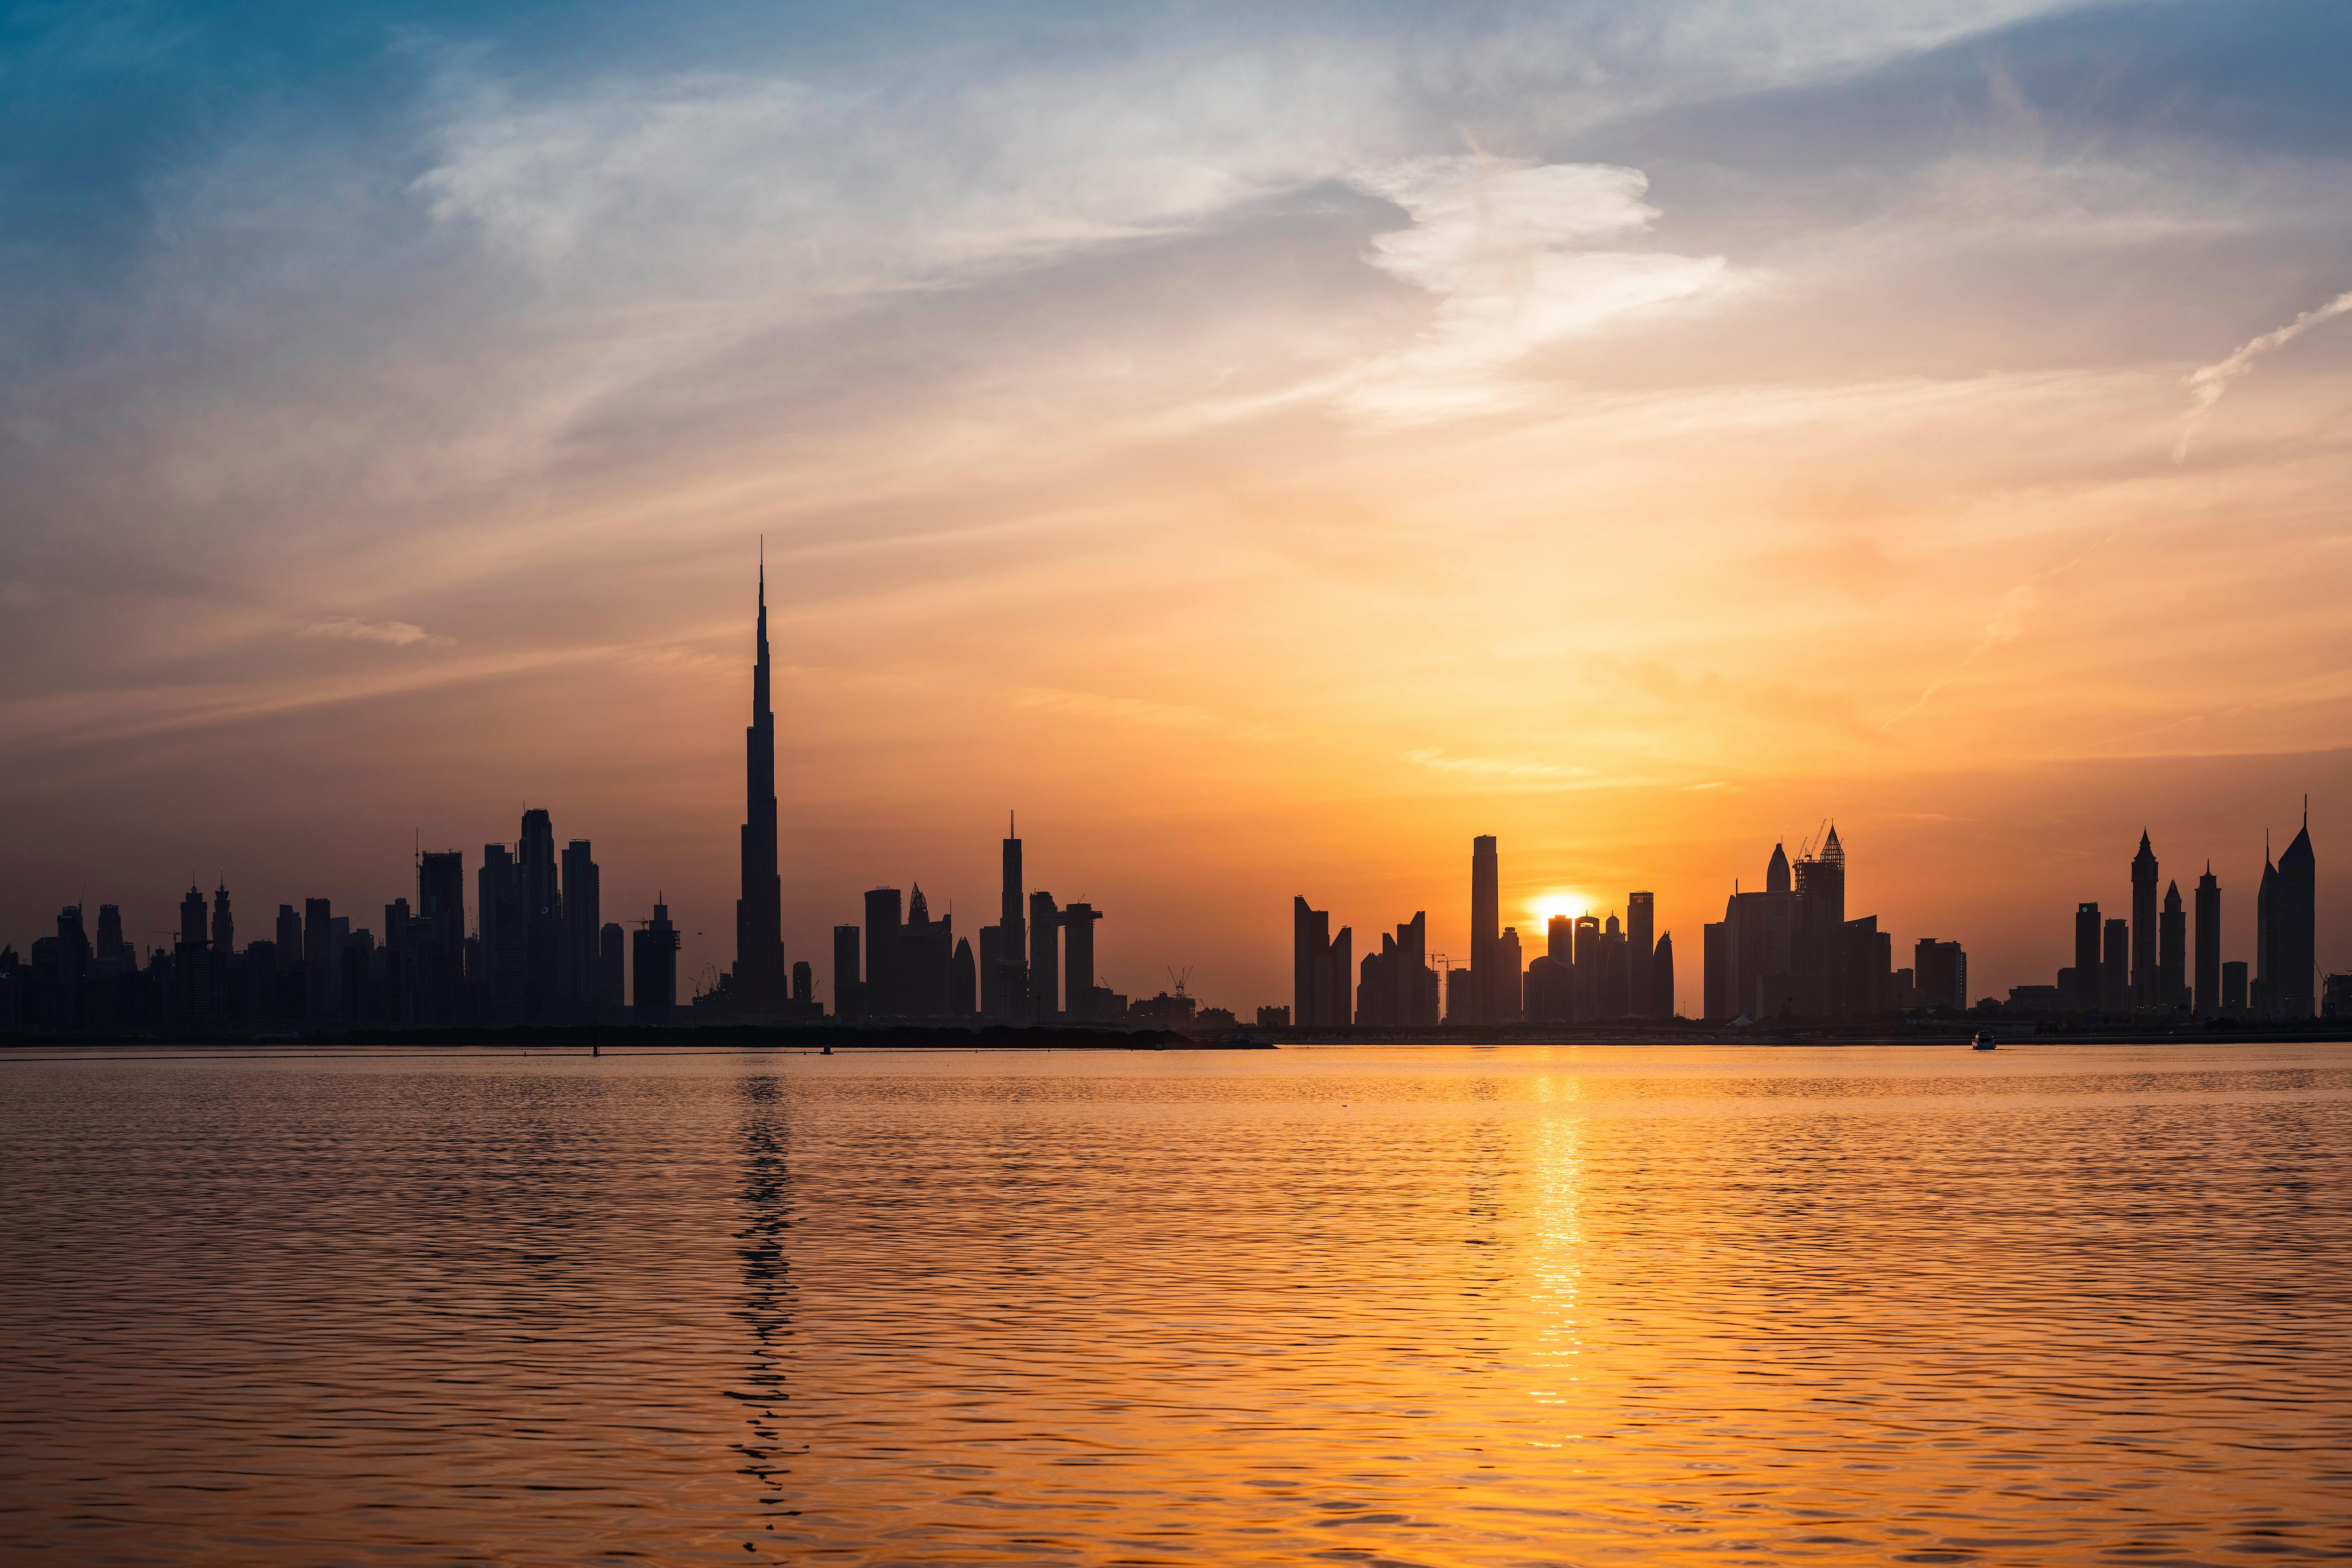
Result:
<point x="441" y="948"/>
<point x="224" y="928"/>
<point x="1817" y="947"/>
<point x="2293" y="916"/>
<point x="963" y="981"/>
<point x="1662" y="976"/>
<point x="193" y="932"/>
<point x="1044" y="954"/>
<point x="925" y="947"/>
<point x="1584" y="985"/>
<point x="2114" y="968"/>
<point x="1940" y="971"/>
<point x="2209" y="945"/>
<point x="847" y="1003"/>
<point x="2172" y="951"/>
<point x="542" y="917"/>
<point x="2143" y="986"/>
<point x="1080" y="982"/>
<point x="1485" y="921"/>
<point x="883" y="996"/>
<point x="1322" y="968"/>
<point x="1640" y="938"/>
<point x="612" y="967"/>
<point x="653" y="959"/>
<point x="2234" y="989"/>
<point x="2263" y="1003"/>
<point x="756" y="983"/>
<point x="1718" y="966"/>
<point x="1009" y="993"/>
<point x="317" y="960"/>
<point x="1398" y="988"/>
<point x="498" y="913"/>
<point x="804" y="985"/>
<point x="289" y="938"/>
<point x="2088" y="967"/>
<point x="1503" y="1001"/>
<point x="584" y="920"/>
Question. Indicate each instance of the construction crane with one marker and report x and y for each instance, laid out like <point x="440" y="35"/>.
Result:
<point x="1180" y="979"/>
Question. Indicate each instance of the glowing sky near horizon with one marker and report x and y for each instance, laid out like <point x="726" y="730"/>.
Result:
<point x="1265" y="445"/>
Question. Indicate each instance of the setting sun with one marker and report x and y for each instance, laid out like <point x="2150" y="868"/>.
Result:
<point x="1570" y="904"/>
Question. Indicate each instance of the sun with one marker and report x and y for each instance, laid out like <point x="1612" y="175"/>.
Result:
<point x="1570" y="904"/>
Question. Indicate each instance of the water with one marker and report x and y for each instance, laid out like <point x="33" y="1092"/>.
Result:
<point x="1594" y="1305"/>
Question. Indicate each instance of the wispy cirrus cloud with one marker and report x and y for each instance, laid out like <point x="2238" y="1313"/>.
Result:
<point x="353" y="628"/>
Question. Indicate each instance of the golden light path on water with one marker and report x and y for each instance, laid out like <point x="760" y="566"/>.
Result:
<point x="1587" y="1305"/>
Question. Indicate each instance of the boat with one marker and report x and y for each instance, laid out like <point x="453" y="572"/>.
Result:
<point x="1983" y="1042"/>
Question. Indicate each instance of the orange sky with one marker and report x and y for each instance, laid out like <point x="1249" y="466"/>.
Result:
<point x="1264" y="465"/>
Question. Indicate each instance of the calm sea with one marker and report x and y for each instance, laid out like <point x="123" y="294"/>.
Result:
<point x="1594" y="1305"/>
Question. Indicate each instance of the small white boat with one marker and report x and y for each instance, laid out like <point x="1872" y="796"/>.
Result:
<point x="1983" y="1042"/>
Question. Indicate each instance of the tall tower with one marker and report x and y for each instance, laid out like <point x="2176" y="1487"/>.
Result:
<point x="1641" y="930"/>
<point x="2209" y="945"/>
<point x="2144" y="986"/>
<point x="759" y="973"/>
<point x="2172" y="951"/>
<point x="2292" y="918"/>
<point x="2263" y="1003"/>
<point x="1485" y="928"/>
<point x="223" y="927"/>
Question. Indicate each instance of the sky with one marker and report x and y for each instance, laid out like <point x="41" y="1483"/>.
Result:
<point x="1264" y="445"/>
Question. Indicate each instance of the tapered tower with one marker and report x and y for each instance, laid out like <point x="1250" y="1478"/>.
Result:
<point x="758" y="979"/>
<point x="2144" y="987"/>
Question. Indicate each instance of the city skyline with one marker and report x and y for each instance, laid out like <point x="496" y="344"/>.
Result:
<point x="538" y="951"/>
<point x="1268" y="458"/>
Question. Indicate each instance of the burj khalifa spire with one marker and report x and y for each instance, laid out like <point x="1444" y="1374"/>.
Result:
<point x="758" y="975"/>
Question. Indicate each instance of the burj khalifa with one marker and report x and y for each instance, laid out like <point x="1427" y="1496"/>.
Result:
<point x="758" y="981"/>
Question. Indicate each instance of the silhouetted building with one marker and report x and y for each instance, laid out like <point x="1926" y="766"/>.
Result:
<point x="2143" y="986"/>
<point x="2234" y="989"/>
<point x="1718" y="977"/>
<point x="2172" y="951"/>
<point x="925" y="947"/>
<point x="1083" y="994"/>
<point x="756" y="983"/>
<point x="963" y="983"/>
<point x="1486" y="922"/>
<point x="1044" y="954"/>
<point x="1274" y="1017"/>
<point x="1616" y="977"/>
<point x="882" y="997"/>
<point x="612" y="967"/>
<point x="1503" y="994"/>
<point x="1461" y="996"/>
<point x="2088" y="967"/>
<point x="2209" y="945"/>
<point x="543" y="913"/>
<point x="1866" y="969"/>
<point x="499" y="906"/>
<point x="584" y="920"/>
<point x="2294" y="913"/>
<point x="1941" y="971"/>
<point x="2114" y="968"/>
<point x="654" y="960"/>
<point x="1004" y="984"/>
<point x="1662" y="976"/>
<point x="804" y="985"/>
<point x="2336" y="997"/>
<point x="1641" y="943"/>
<point x="1398" y="989"/>
<point x="1817" y="945"/>
<point x="289" y="938"/>
<point x="440" y="955"/>
<point x="317" y="960"/>
<point x="2263" y="1003"/>
<point x="1322" y="968"/>
<point x="848" y="1000"/>
<point x="224" y="928"/>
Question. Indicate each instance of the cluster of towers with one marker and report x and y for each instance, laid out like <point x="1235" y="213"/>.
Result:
<point x="1789" y="951"/>
<point x="540" y="954"/>
<point x="2144" y="965"/>
<point x="1035" y="966"/>
<point x="1592" y="969"/>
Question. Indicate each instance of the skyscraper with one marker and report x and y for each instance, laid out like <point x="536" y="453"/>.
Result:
<point x="1012" y="936"/>
<point x="1486" y="929"/>
<point x="654" y="957"/>
<point x="2209" y="945"/>
<point x="2293" y="917"/>
<point x="2171" y="950"/>
<point x="224" y="928"/>
<point x="584" y="920"/>
<point x="1079" y="976"/>
<point x="2144" y="986"/>
<point x="1662" y="976"/>
<point x="1640" y="936"/>
<point x="847" y="1002"/>
<point x="1044" y="954"/>
<point x="2263" y="1003"/>
<point x="883" y="995"/>
<point x="542" y="917"/>
<point x="963" y="981"/>
<point x="2114" y="968"/>
<point x="1321" y="967"/>
<point x="757" y="981"/>
<point x="2087" y="969"/>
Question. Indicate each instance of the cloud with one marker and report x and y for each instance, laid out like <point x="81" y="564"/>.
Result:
<point x="1521" y="255"/>
<point x="351" y="628"/>
<point x="1436" y="759"/>
<point x="2207" y="384"/>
